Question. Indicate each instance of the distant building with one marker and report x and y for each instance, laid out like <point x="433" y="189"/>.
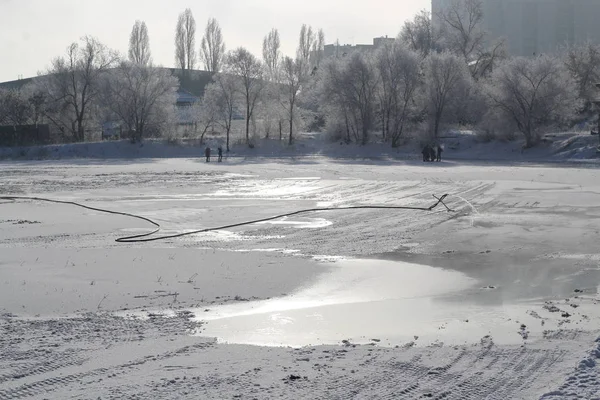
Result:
<point x="111" y="130"/>
<point x="536" y="26"/>
<point x="340" y="50"/>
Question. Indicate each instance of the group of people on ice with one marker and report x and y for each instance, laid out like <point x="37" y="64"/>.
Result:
<point x="432" y="152"/>
<point x="207" y="153"/>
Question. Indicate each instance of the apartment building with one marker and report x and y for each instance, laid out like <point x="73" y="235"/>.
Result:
<point x="340" y="50"/>
<point x="537" y="26"/>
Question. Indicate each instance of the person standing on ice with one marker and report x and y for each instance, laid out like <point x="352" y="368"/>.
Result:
<point x="438" y="153"/>
<point x="432" y="153"/>
<point x="220" y="150"/>
<point x="207" y="154"/>
<point x="426" y="153"/>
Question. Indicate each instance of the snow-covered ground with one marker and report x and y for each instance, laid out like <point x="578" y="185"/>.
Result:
<point x="464" y="145"/>
<point x="497" y="299"/>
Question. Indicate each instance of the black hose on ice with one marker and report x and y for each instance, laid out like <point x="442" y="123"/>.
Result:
<point x="143" y="237"/>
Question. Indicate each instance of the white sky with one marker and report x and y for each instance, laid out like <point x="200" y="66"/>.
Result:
<point x="32" y="32"/>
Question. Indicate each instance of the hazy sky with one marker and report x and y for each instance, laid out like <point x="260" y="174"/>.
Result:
<point x="32" y="32"/>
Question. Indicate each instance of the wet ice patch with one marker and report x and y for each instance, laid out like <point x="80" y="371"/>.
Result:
<point x="321" y="258"/>
<point x="356" y="297"/>
<point x="308" y="178"/>
<point x="234" y="175"/>
<point x="273" y="189"/>
<point x="310" y="223"/>
<point x="269" y="250"/>
<point x="578" y="257"/>
<point x="219" y="236"/>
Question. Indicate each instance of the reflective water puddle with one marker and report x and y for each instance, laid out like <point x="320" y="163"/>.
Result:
<point x="361" y="300"/>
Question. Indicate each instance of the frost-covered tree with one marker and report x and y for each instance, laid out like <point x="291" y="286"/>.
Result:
<point x="399" y="80"/>
<point x="15" y="107"/>
<point x="583" y="62"/>
<point x="71" y="84"/>
<point x="185" y="40"/>
<point x="272" y="111"/>
<point x="249" y="71"/>
<point x="305" y="46"/>
<point x="213" y="46"/>
<point x="419" y="34"/>
<point x="462" y="33"/>
<point x="291" y="79"/>
<point x="223" y="94"/>
<point x="462" y="24"/>
<point x="533" y="93"/>
<point x="140" y="96"/>
<point x="139" y="44"/>
<point x="361" y="83"/>
<point x="272" y="54"/>
<point x="318" y="49"/>
<point x="339" y="118"/>
<point x="447" y="81"/>
<point x="348" y="88"/>
<point x="205" y="116"/>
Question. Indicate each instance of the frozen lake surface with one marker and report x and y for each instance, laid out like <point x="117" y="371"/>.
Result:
<point x="497" y="299"/>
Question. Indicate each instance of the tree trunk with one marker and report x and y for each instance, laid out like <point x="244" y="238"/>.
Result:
<point x="247" y="123"/>
<point x="80" y="131"/>
<point x="397" y="133"/>
<point x="436" y="125"/>
<point x="347" y="129"/>
<point x="280" y="130"/>
<point x="365" y="128"/>
<point x="227" y="134"/>
<point x="247" y="130"/>
<point x="531" y="139"/>
<point x="291" y="121"/>
<point x="387" y="128"/>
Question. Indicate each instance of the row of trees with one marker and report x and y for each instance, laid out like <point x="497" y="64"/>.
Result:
<point x="266" y="90"/>
<point x="211" y="51"/>
<point x="425" y="80"/>
<point x="451" y="74"/>
<point x="92" y="84"/>
<point x="212" y="47"/>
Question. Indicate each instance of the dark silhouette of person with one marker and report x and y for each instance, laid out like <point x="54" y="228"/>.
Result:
<point x="220" y="150"/>
<point x="438" y="150"/>
<point x="432" y="153"/>
<point x="426" y="153"/>
<point x="207" y="154"/>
